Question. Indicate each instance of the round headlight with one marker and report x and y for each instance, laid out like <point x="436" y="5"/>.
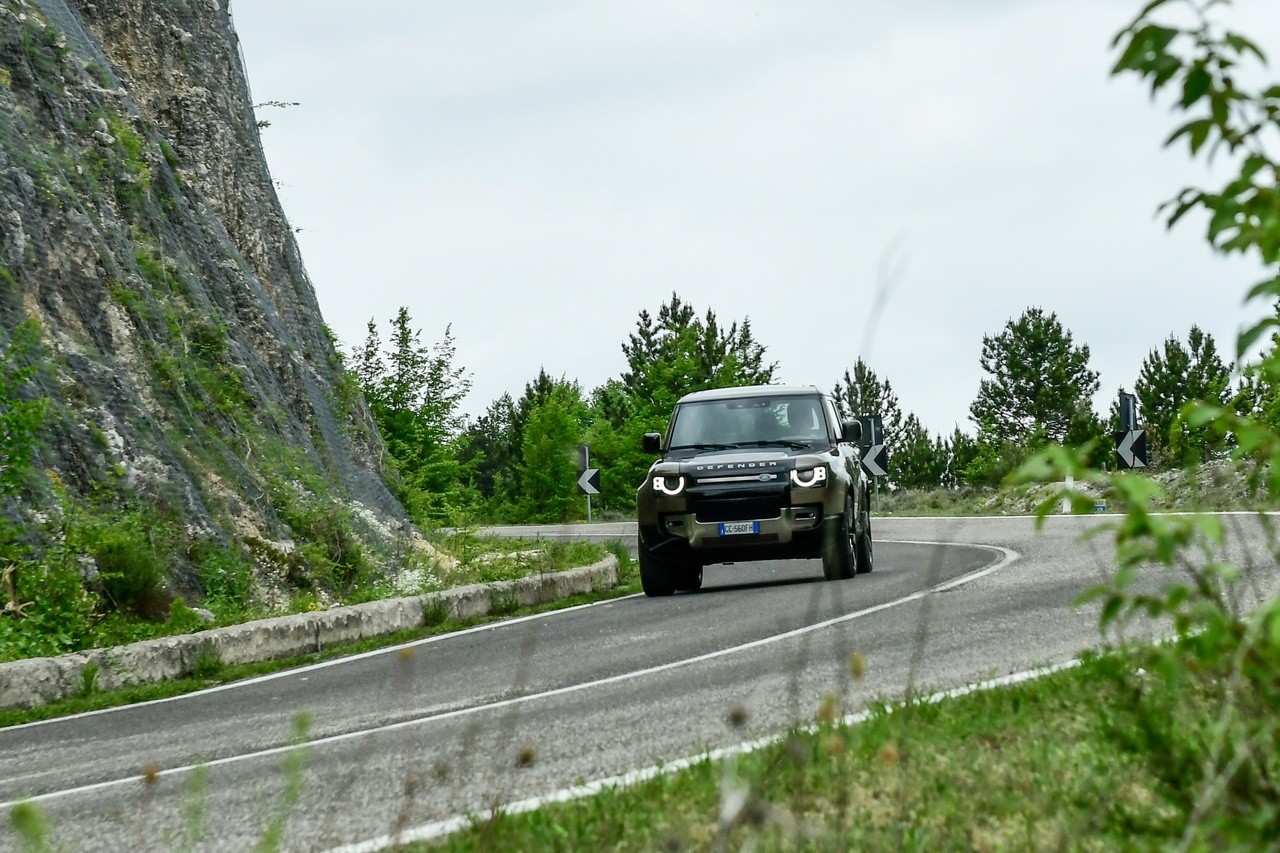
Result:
<point x="671" y="484"/>
<point x="809" y="477"/>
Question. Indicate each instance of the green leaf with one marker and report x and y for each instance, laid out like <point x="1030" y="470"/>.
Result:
<point x="1250" y="336"/>
<point x="1218" y="108"/>
<point x="1253" y="164"/>
<point x="1243" y="45"/>
<point x="1146" y="47"/>
<point x="1190" y="127"/>
<point x="1090" y="594"/>
<point x="1200" y="414"/>
<point x="1210" y="527"/>
<point x="1199" y="135"/>
<point x="1196" y="85"/>
<point x="1110" y="611"/>
<point x="1269" y="288"/>
<point x="1124" y="577"/>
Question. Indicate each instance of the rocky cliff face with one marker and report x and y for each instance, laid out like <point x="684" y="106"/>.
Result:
<point x="192" y="381"/>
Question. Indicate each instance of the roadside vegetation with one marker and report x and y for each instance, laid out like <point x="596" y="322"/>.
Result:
<point x="216" y="672"/>
<point x="70" y="616"/>
<point x="1220" y="485"/>
<point x="1097" y="757"/>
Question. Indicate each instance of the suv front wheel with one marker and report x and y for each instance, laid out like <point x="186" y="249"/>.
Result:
<point x="838" y="560"/>
<point x="659" y="577"/>
<point x="863" y="556"/>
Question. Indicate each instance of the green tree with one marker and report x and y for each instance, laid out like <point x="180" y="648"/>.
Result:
<point x="678" y="353"/>
<point x="494" y="449"/>
<point x="862" y="392"/>
<point x="414" y="391"/>
<point x="920" y="462"/>
<point x="1173" y="376"/>
<point x="488" y="451"/>
<point x="1038" y="382"/>
<point x="549" y="470"/>
<point x="1257" y="394"/>
<point x="668" y="355"/>
<point x="962" y="450"/>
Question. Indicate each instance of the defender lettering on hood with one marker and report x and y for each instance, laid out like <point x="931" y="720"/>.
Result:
<point x="735" y="466"/>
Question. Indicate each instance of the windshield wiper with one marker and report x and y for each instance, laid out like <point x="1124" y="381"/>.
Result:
<point x="702" y="446"/>
<point x="776" y="442"/>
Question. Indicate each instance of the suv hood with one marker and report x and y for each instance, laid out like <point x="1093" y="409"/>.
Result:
<point x="748" y="460"/>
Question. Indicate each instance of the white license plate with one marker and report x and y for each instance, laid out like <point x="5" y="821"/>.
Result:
<point x="739" y="528"/>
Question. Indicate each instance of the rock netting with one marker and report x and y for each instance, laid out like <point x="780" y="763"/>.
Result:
<point x="140" y="228"/>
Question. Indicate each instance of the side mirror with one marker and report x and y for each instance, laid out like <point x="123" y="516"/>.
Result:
<point x="851" y="431"/>
<point x="652" y="442"/>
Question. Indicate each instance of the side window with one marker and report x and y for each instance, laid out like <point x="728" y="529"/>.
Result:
<point x="833" y="420"/>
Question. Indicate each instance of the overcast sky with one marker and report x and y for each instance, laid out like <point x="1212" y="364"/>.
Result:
<point x="536" y="173"/>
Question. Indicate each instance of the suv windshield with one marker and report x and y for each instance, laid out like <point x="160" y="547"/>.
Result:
<point x="749" y="421"/>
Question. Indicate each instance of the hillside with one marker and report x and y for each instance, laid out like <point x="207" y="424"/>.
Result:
<point x="198" y="415"/>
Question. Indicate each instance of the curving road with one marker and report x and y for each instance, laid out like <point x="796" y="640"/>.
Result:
<point x="412" y="735"/>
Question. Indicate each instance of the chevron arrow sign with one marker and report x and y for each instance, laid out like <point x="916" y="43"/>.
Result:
<point x="1131" y="448"/>
<point x="876" y="461"/>
<point x="589" y="482"/>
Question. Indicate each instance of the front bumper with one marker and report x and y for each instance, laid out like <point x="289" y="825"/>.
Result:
<point x="776" y="541"/>
<point x="791" y="521"/>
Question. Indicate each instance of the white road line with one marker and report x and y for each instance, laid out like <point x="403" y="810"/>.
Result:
<point x="440" y="828"/>
<point x="1008" y="556"/>
<point x="311" y="667"/>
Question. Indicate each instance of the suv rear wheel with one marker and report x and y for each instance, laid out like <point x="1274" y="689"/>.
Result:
<point x="689" y="578"/>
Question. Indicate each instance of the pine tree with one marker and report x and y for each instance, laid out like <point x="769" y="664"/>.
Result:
<point x="862" y="393"/>
<point x="413" y="391"/>
<point x="1173" y="376"/>
<point x="1038" y="382"/>
<point x="678" y="353"/>
<point x="920" y="461"/>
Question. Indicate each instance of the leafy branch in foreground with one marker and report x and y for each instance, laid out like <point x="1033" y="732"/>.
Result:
<point x="1220" y="636"/>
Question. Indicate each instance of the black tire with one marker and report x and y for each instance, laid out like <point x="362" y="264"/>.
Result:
<point x="838" y="560"/>
<point x="689" y="579"/>
<point x="864" y="557"/>
<point x="657" y="576"/>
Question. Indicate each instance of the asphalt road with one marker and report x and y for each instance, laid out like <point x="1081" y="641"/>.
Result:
<point x="412" y="735"/>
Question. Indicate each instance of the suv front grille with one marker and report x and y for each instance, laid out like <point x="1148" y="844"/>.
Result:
<point x="738" y="508"/>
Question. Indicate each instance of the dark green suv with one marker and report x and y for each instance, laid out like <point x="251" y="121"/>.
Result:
<point x="766" y="472"/>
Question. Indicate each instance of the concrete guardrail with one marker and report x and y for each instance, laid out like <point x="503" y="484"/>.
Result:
<point x="38" y="681"/>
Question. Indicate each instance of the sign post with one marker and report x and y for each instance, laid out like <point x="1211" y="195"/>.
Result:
<point x="589" y="481"/>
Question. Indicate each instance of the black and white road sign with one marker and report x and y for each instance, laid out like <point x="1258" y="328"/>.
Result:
<point x="1128" y="411"/>
<point x="876" y="461"/>
<point x="872" y="430"/>
<point x="589" y="482"/>
<point x="1131" y="448"/>
<point x="875" y="458"/>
